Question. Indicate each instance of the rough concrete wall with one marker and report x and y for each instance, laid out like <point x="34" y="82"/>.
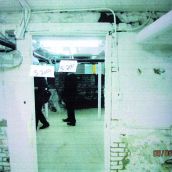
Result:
<point x="144" y="146"/>
<point x="145" y="107"/>
<point x="145" y="82"/>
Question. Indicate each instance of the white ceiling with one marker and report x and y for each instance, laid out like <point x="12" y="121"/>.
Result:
<point x="116" y="5"/>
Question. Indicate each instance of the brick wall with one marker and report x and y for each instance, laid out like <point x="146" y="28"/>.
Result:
<point x="4" y="154"/>
<point x="118" y="156"/>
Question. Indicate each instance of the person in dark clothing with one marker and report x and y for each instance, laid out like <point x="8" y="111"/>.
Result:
<point x="68" y="96"/>
<point x="40" y="85"/>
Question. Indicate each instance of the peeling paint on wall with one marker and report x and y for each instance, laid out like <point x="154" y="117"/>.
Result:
<point x="142" y="147"/>
<point x="158" y="71"/>
<point x="139" y="71"/>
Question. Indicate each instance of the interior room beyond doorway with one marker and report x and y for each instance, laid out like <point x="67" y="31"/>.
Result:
<point x="79" y="148"/>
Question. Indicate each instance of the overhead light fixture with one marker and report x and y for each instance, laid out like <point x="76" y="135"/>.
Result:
<point x="69" y="46"/>
<point x="70" y="43"/>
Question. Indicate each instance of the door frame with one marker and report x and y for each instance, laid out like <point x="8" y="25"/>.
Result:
<point x="89" y="29"/>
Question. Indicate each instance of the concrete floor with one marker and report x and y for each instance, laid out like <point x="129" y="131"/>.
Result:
<point x="63" y="148"/>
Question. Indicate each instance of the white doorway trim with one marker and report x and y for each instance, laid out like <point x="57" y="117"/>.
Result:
<point x="87" y="29"/>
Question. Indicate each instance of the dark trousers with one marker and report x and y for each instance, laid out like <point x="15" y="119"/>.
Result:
<point x="38" y="111"/>
<point x="70" y="107"/>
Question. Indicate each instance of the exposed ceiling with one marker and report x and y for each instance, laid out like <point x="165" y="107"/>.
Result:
<point x="116" y="5"/>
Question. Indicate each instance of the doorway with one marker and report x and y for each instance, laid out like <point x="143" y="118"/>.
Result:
<point x="79" y="148"/>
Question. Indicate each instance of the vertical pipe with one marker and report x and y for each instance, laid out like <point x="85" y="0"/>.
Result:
<point x="108" y="102"/>
<point x="99" y="89"/>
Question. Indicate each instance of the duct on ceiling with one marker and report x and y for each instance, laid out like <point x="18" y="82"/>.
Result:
<point x="6" y="42"/>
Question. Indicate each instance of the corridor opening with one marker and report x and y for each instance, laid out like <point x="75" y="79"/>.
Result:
<point x="64" y="148"/>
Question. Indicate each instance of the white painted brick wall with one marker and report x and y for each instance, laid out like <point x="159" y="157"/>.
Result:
<point x="122" y="145"/>
<point x="117" y="167"/>
<point x="118" y="153"/>
<point x="118" y="149"/>
<point x="114" y="158"/>
<point x="114" y="153"/>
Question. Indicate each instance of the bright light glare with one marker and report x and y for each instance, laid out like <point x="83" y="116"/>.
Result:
<point x="70" y="43"/>
<point x="68" y="47"/>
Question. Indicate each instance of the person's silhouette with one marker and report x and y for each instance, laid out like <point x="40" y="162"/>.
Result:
<point x="68" y="96"/>
<point x="40" y="85"/>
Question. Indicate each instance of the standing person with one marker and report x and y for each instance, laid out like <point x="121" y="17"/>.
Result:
<point x="68" y="96"/>
<point x="40" y="86"/>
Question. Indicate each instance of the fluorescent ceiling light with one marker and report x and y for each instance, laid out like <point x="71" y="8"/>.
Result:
<point x="70" y="43"/>
<point x="69" y="47"/>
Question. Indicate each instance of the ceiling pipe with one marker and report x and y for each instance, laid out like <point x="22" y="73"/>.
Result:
<point x="93" y="61"/>
<point x="158" y="27"/>
<point x="7" y="43"/>
<point x="41" y="57"/>
<point x="25" y="20"/>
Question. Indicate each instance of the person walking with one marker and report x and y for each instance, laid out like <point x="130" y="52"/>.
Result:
<point x="40" y="86"/>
